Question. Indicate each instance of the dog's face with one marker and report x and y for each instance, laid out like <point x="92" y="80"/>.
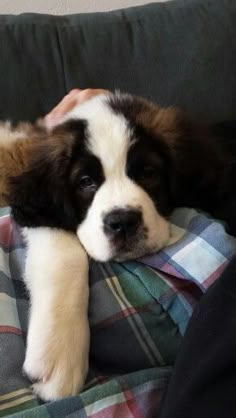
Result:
<point x="118" y="177"/>
<point x="105" y="172"/>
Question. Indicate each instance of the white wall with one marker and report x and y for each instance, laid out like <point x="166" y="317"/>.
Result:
<point x="65" y="6"/>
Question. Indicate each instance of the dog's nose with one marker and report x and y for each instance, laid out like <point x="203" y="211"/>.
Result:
<point x="122" y="221"/>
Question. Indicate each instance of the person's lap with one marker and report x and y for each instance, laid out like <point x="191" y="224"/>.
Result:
<point x="204" y="378"/>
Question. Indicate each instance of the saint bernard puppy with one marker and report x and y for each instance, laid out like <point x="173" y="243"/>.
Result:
<point x="103" y="184"/>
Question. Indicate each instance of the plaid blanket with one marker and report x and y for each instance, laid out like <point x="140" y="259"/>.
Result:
<point x="138" y="314"/>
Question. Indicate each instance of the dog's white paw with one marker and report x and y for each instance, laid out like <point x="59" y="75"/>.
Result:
<point x="58" y="365"/>
<point x="64" y="381"/>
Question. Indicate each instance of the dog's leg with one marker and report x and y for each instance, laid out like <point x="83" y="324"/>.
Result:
<point x="58" y="337"/>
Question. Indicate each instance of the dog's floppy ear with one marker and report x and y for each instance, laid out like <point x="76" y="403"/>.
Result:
<point x="41" y="196"/>
<point x="195" y="163"/>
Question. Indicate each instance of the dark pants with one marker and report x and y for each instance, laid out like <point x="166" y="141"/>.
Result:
<point x="203" y="384"/>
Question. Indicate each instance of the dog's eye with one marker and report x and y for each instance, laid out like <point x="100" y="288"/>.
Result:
<point x="87" y="183"/>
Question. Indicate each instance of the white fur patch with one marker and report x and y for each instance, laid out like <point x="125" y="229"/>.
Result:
<point x="108" y="133"/>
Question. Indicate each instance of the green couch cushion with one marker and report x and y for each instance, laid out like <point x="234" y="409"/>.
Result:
<point x="182" y="52"/>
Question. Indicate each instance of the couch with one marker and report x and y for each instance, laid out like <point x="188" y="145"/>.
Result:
<point x="178" y="53"/>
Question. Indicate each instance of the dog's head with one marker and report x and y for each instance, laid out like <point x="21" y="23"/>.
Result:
<point x="110" y="172"/>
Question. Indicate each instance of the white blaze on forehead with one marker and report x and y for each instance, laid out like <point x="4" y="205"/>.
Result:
<point x="108" y="133"/>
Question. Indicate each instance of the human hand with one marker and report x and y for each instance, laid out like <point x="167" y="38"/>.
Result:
<point x="73" y="98"/>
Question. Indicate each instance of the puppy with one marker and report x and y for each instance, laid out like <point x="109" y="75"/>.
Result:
<point x="103" y="183"/>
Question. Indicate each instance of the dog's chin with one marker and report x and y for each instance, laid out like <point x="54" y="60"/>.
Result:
<point x="133" y="254"/>
<point x="137" y="248"/>
<point x="122" y="249"/>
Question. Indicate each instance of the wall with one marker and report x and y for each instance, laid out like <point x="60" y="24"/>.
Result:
<point x="65" y="6"/>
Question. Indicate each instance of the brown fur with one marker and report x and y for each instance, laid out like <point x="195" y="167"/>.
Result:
<point x="16" y="147"/>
